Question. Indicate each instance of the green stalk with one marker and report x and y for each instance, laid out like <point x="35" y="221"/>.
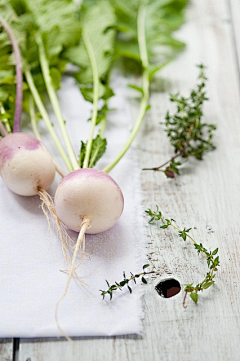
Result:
<point x="145" y="85"/>
<point x="103" y="123"/>
<point x="95" y="96"/>
<point x="3" y="130"/>
<point x="55" y="104"/>
<point x="37" y="134"/>
<point x="102" y="128"/>
<point x="44" y="114"/>
<point x="5" y="120"/>
<point x="33" y="118"/>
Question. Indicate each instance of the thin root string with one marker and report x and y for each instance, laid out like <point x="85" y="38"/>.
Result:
<point x="83" y="253"/>
<point x="80" y="242"/>
<point x="49" y="209"/>
<point x="75" y="275"/>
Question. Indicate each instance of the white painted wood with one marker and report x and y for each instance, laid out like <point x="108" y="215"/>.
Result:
<point x="6" y="350"/>
<point x="235" y="17"/>
<point x="206" y="196"/>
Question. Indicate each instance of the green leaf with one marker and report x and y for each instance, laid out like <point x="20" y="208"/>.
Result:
<point x="98" y="149"/>
<point x="194" y="296"/>
<point x="56" y="77"/>
<point x="104" y="91"/>
<point x="135" y="87"/>
<point x="129" y="288"/>
<point x="144" y="280"/>
<point x="162" y="18"/>
<point x="101" y="36"/>
<point x="153" y="69"/>
<point x="82" y="153"/>
<point x="57" y="20"/>
<point x="146" y="265"/>
<point x="207" y="285"/>
<point x="128" y="50"/>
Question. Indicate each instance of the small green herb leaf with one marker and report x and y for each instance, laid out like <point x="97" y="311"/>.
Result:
<point x="145" y="266"/>
<point x="194" y="296"/>
<point x="207" y="285"/>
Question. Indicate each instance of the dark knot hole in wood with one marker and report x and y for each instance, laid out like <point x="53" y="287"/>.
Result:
<point x="168" y="288"/>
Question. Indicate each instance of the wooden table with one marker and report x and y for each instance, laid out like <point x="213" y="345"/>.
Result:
<point x="206" y="196"/>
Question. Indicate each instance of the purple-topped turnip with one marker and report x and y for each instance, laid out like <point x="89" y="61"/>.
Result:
<point x="25" y="165"/>
<point x="87" y="201"/>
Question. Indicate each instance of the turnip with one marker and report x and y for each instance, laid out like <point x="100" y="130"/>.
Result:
<point x="87" y="201"/>
<point x="26" y="167"/>
<point x="89" y="194"/>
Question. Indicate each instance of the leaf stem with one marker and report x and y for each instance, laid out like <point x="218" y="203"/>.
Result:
<point x="170" y="223"/>
<point x="55" y="104"/>
<point x="37" y="134"/>
<point x="46" y="118"/>
<point x="33" y="118"/>
<point x="5" y="120"/>
<point x="169" y="161"/>
<point x="125" y="282"/>
<point x="3" y="130"/>
<point x="19" y="76"/>
<point x="103" y="122"/>
<point x="145" y="85"/>
<point x="95" y="96"/>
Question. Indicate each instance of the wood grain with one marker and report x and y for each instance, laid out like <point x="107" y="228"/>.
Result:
<point x="206" y="196"/>
<point x="6" y="350"/>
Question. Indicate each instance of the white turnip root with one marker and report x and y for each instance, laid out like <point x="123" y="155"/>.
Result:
<point x="87" y="201"/>
<point x="28" y="169"/>
<point x="89" y="194"/>
<point x="25" y="165"/>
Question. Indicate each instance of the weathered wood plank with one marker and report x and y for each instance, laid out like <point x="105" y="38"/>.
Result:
<point x="206" y="196"/>
<point x="6" y="350"/>
<point x="235" y="17"/>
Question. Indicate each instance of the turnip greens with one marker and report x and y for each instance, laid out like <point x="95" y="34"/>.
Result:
<point x="140" y="33"/>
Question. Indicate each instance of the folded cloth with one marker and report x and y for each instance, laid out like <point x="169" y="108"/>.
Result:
<point x="31" y="256"/>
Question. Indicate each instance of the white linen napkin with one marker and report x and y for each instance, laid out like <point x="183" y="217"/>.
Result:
<point x="31" y="257"/>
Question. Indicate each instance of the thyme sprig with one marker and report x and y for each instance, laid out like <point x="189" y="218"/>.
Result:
<point x="125" y="282"/>
<point x="188" y="134"/>
<point x="211" y="257"/>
